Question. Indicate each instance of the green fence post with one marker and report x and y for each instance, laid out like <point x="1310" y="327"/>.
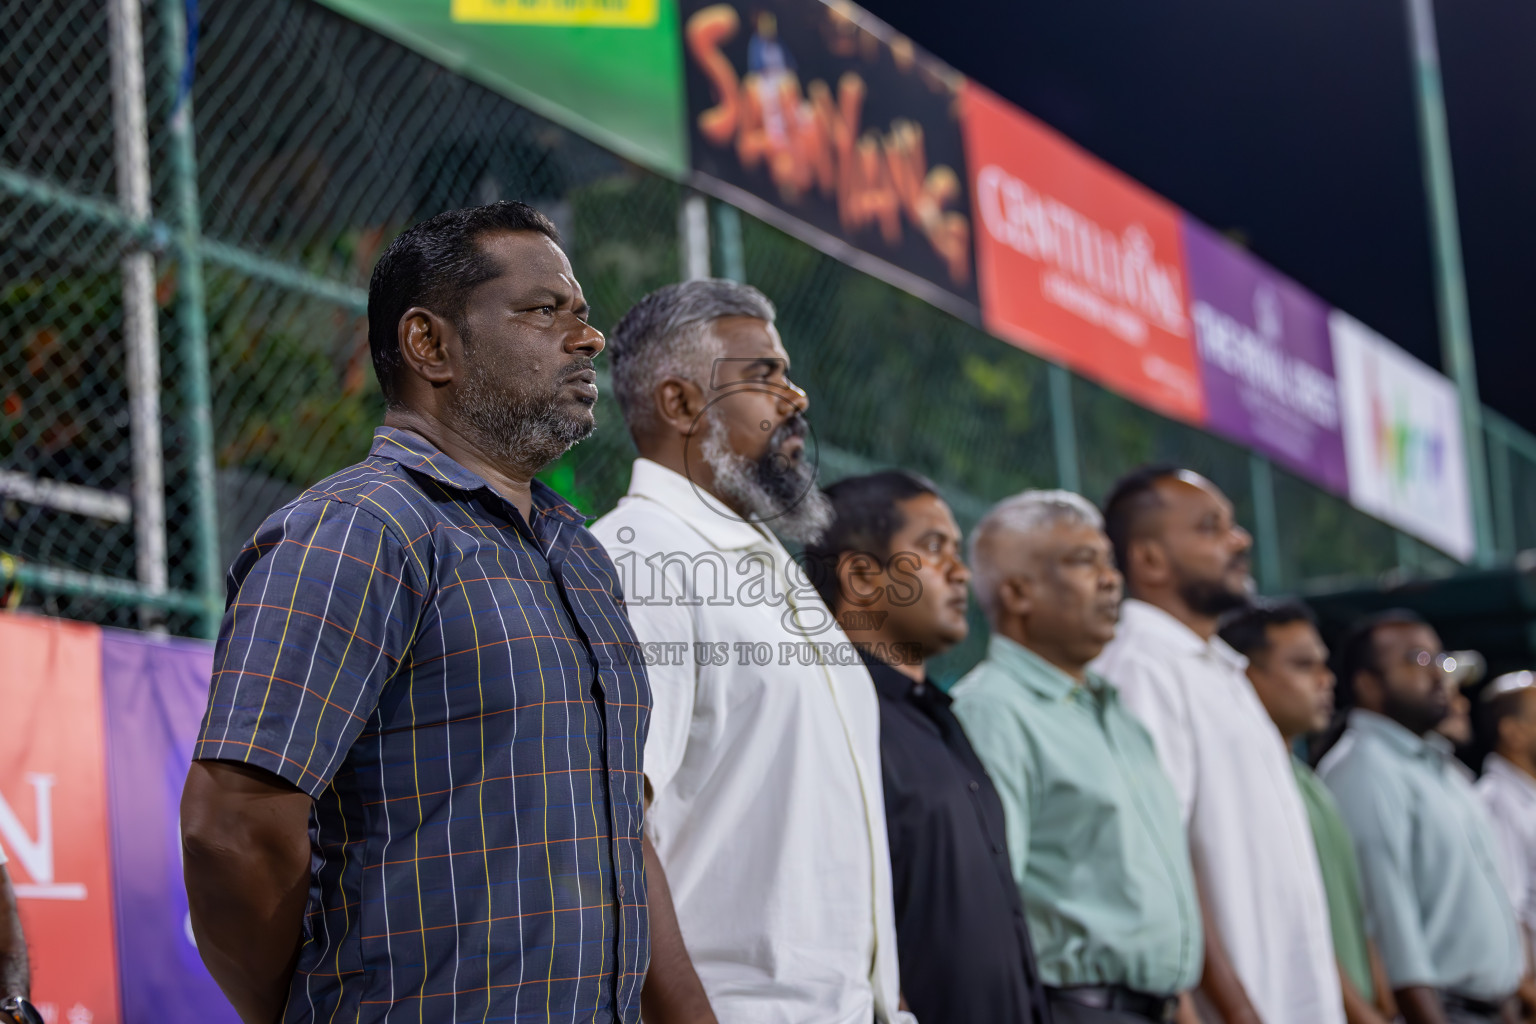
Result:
<point x="1069" y="476"/>
<point x="733" y="261"/>
<point x="193" y="320"/>
<point x="1266" y="524"/>
<point x="1502" y="488"/>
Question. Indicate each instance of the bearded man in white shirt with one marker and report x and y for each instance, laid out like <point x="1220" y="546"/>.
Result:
<point x="763" y="757"/>
<point x="1269" y="950"/>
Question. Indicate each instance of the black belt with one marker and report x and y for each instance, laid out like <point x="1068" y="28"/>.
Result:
<point x="1466" y="1004"/>
<point x="1119" y="998"/>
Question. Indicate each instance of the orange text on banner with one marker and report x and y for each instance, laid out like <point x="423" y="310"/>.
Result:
<point x="1077" y="262"/>
<point x="53" y="814"/>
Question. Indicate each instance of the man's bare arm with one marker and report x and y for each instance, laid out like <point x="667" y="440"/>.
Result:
<point x="1357" y="1009"/>
<point x="1420" y="1004"/>
<point x="14" y="979"/>
<point x="245" y="844"/>
<point x="673" y="993"/>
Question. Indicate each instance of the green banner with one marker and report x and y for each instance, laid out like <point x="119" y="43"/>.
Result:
<point x="609" y="69"/>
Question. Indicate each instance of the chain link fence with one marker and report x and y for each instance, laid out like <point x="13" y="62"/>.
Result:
<point x="196" y="307"/>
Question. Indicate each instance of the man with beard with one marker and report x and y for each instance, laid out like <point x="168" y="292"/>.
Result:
<point x="417" y="791"/>
<point x="892" y="569"/>
<point x="1428" y="857"/>
<point x="1268" y="949"/>
<point x="763" y="761"/>
<point x="1288" y="666"/>
<point x="1094" y="831"/>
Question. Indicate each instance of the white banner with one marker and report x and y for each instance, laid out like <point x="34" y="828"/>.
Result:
<point x="1402" y="438"/>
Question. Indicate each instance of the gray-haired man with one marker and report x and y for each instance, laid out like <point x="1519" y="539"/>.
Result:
<point x="1097" y="843"/>
<point x="763" y="757"/>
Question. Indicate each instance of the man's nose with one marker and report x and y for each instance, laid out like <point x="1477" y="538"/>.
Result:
<point x="588" y="340"/>
<point x="795" y="395"/>
<point x="1243" y="537"/>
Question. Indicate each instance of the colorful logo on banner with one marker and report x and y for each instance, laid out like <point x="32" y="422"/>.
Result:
<point x="1077" y="262"/>
<point x="816" y="111"/>
<point x="1402" y="437"/>
<point x="609" y="69"/>
<point x="53" y="814"/>
<point x="1266" y="361"/>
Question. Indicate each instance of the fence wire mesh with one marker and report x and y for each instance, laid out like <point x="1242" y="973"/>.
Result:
<point x="316" y="141"/>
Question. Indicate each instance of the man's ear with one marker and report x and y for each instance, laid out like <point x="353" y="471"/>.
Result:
<point x="1148" y="561"/>
<point x="680" y="405"/>
<point x="429" y="346"/>
<point x="859" y="579"/>
<point x="1016" y="596"/>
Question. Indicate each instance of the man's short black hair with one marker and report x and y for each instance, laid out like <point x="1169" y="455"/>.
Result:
<point x="435" y="265"/>
<point x="865" y="518"/>
<point x="1358" y="651"/>
<point x="1131" y="497"/>
<point x="1246" y="630"/>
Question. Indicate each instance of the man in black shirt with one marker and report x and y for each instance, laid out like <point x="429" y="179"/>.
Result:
<point x="890" y="568"/>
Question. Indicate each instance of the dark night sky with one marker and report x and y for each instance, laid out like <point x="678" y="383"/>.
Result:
<point x="1294" y="124"/>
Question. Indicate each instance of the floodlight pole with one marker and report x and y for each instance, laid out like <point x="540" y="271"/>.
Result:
<point x="1450" y="281"/>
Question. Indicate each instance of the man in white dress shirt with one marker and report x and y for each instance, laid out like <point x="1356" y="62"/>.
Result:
<point x="1269" y="950"/>
<point x="1508" y="790"/>
<point x="763" y="759"/>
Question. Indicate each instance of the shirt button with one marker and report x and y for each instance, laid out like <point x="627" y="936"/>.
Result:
<point x="621" y="892"/>
<point x="974" y="786"/>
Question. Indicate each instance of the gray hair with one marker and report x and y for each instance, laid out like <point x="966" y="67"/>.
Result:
<point x="666" y="334"/>
<point x="1024" y="513"/>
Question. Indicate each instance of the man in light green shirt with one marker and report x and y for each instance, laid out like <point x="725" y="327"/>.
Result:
<point x="1427" y="856"/>
<point x="1288" y="666"/>
<point x="1094" y="828"/>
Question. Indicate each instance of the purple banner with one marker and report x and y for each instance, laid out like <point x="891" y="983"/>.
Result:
<point x="1266" y="360"/>
<point x="154" y="692"/>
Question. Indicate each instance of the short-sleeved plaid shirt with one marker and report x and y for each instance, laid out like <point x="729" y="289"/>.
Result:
<point x="460" y="692"/>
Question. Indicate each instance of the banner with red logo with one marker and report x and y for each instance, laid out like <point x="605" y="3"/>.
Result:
<point x="53" y="814"/>
<point x="1076" y="262"/>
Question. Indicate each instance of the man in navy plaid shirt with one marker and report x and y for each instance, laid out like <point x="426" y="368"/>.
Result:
<point x="417" y="790"/>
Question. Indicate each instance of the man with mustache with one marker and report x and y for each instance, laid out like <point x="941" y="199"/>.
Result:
<point x="417" y="792"/>
<point x="892" y="569"/>
<point x="1097" y="845"/>
<point x="1268" y="948"/>
<point x="1428" y="855"/>
<point x="763" y="761"/>
<point x="1288" y="666"/>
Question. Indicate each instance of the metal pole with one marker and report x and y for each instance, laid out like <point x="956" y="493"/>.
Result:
<point x="1450" y="281"/>
<point x="193" y="322"/>
<point x="1069" y="475"/>
<point x="141" y="326"/>
<point x="693" y="236"/>
<point x="733" y="260"/>
<point x="1266" y="523"/>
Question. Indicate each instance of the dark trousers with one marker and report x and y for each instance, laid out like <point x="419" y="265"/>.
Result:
<point x="1063" y="1012"/>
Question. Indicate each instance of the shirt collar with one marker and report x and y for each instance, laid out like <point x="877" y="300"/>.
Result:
<point x="890" y="681"/>
<point x="1497" y="766"/>
<point x="417" y="454"/>
<point x="723" y="528"/>
<point x="1396" y="736"/>
<point x="1039" y="675"/>
<point x="1139" y="616"/>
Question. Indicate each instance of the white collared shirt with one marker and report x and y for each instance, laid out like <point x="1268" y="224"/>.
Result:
<point x="764" y="762"/>
<point x="1248" y="831"/>
<point x="1510" y="797"/>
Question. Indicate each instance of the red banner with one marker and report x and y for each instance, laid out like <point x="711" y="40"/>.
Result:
<point x="1076" y="262"/>
<point x="53" y="814"/>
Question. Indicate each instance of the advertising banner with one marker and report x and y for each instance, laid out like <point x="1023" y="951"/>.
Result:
<point x="822" y="120"/>
<point x="53" y="814"/>
<point x="1266" y="361"/>
<point x="1402" y="438"/>
<point x="1077" y="262"/>
<point x="155" y="691"/>
<point x="608" y="69"/>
